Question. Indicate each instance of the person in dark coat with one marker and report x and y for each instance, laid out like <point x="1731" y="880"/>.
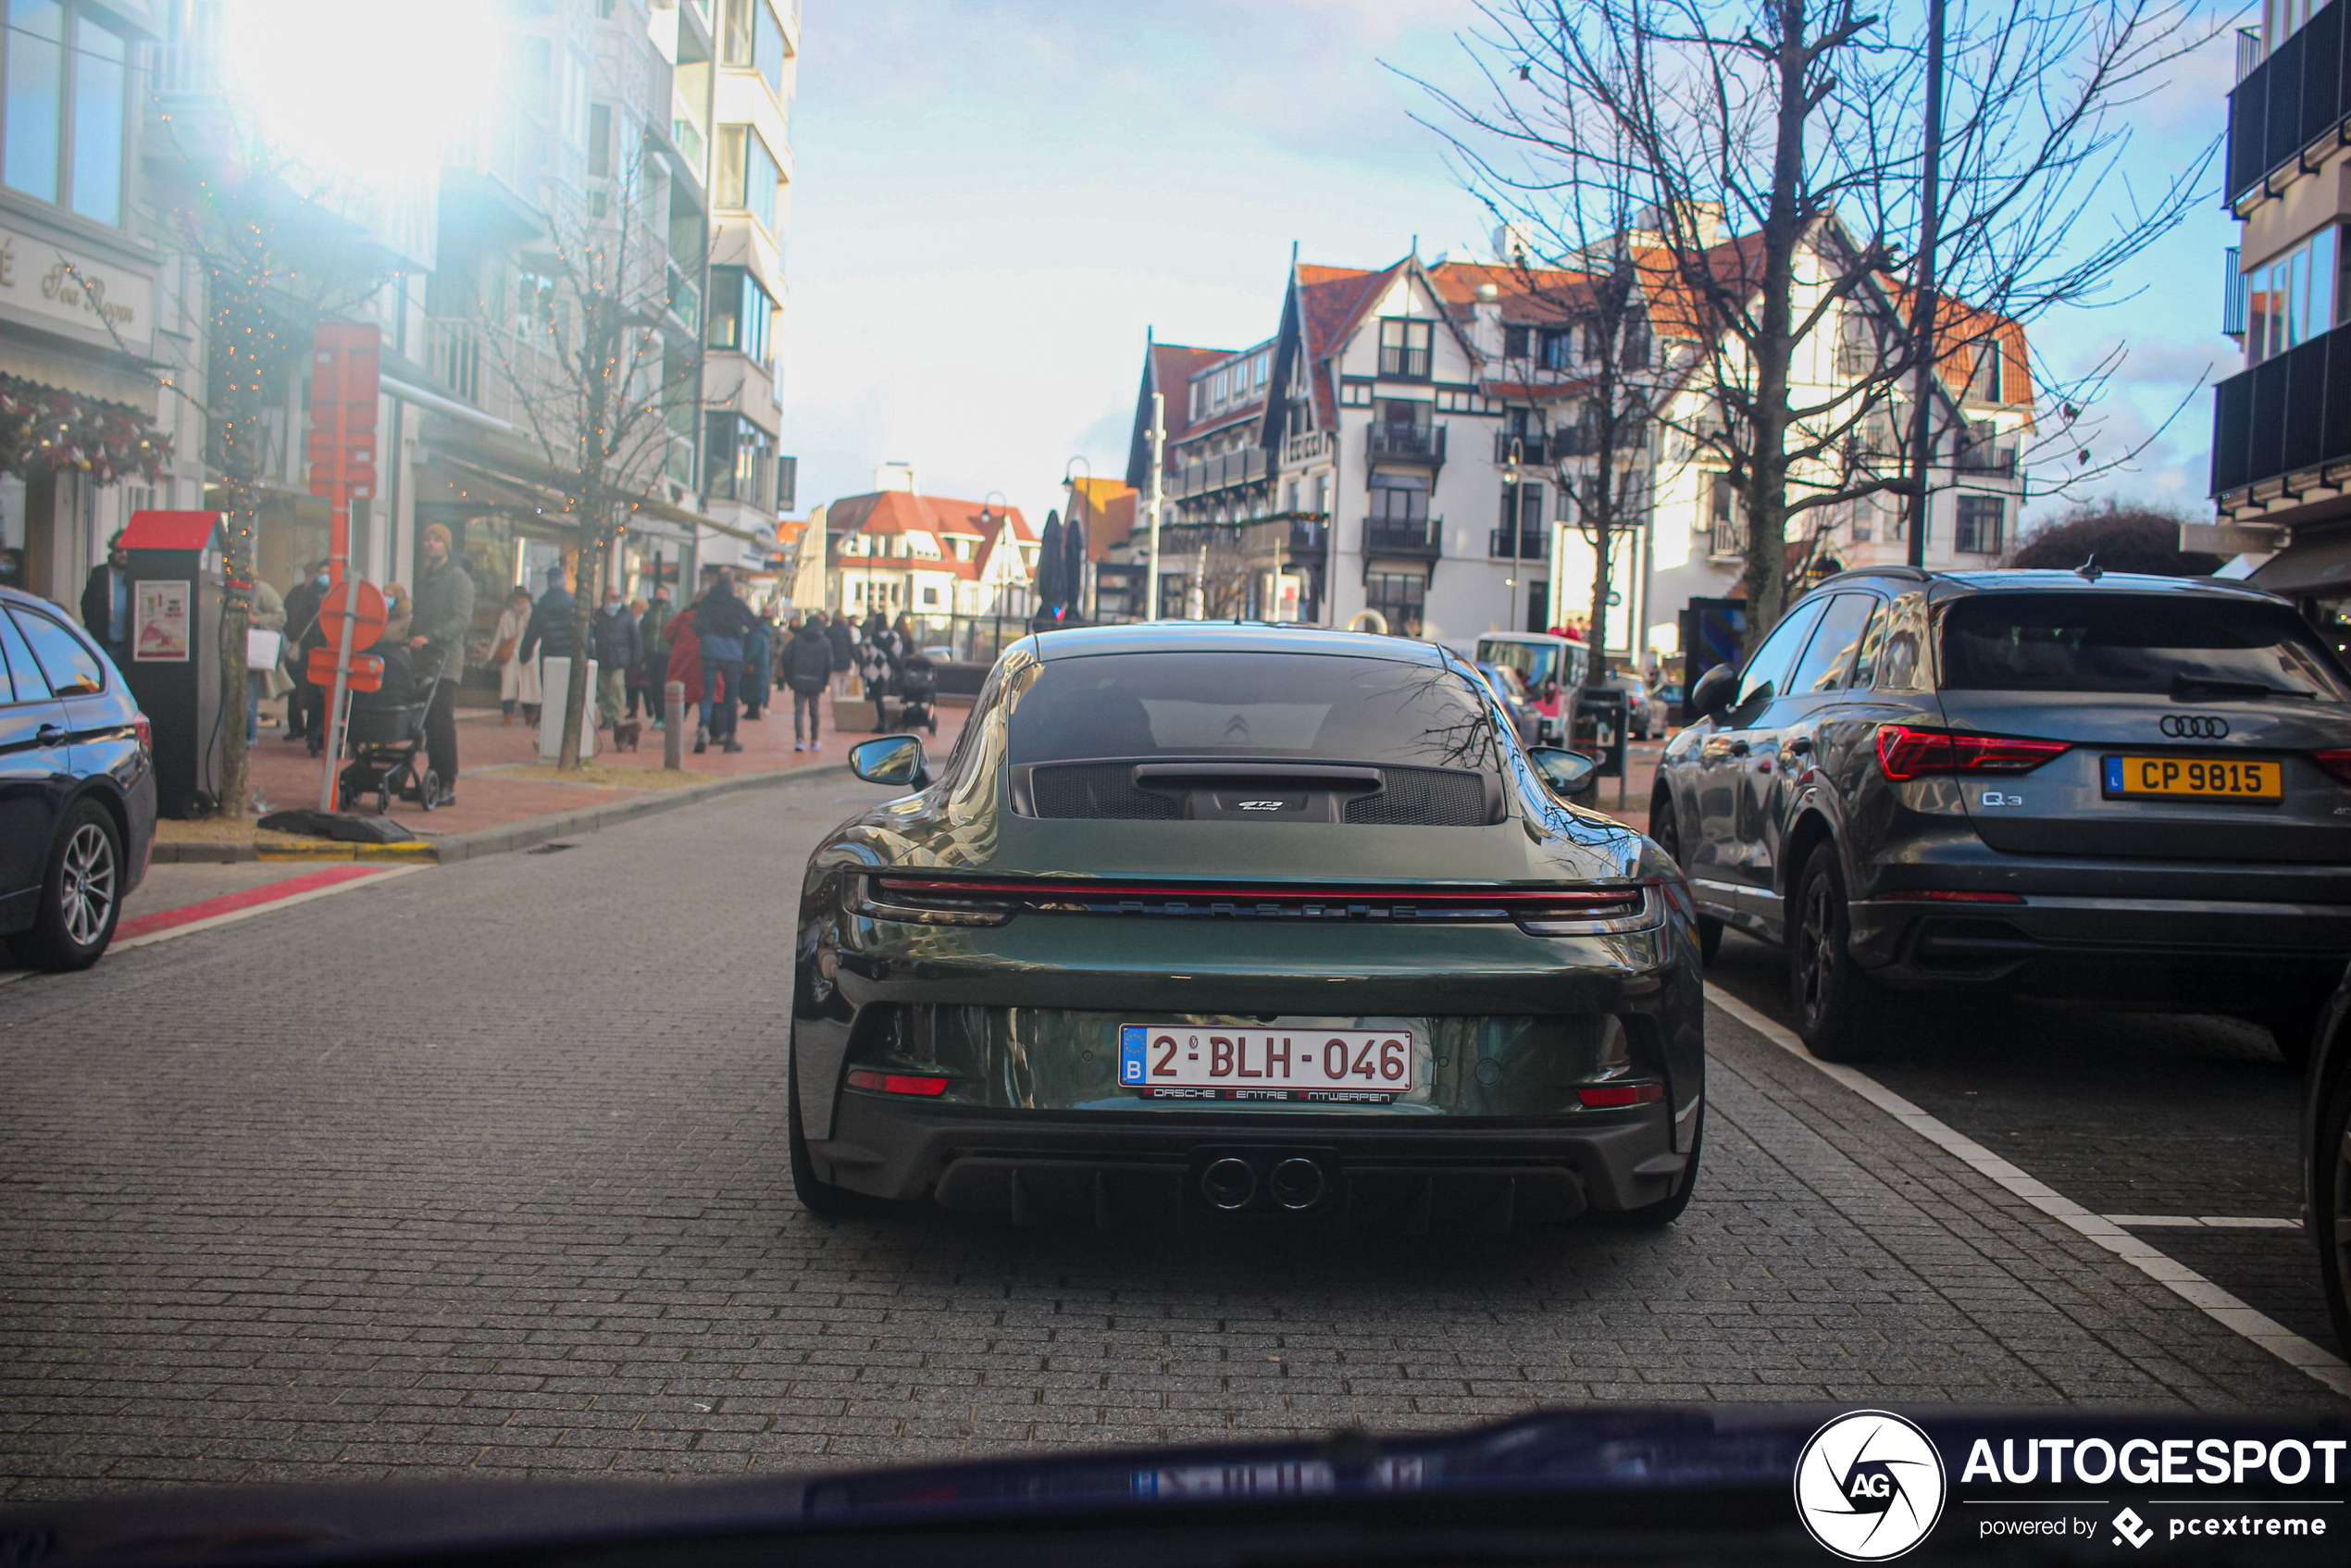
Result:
<point x="302" y="625"/>
<point x="808" y="666"/>
<point x="444" y="619"/>
<point x="614" y="635"/>
<point x="105" y="602"/>
<point x="721" y="622"/>
<point x="759" y="665"/>
<point x="652" y="636"/>
<point x="549" y="634"/>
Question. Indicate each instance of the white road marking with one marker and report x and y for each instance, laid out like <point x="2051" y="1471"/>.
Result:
<point x="2182" y="1281"/>
<point x="2214" y="1221"/>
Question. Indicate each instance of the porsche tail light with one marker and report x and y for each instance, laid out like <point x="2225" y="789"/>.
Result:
<point x="2337" y="763"/>
<point x="1903" y="752"/>
<point x="919" y="1083"/>
<point x="1949" y="895"/>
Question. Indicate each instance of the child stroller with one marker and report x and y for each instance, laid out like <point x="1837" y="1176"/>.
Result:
<point x="917" y="694"/>
<point x="384" y="741"/>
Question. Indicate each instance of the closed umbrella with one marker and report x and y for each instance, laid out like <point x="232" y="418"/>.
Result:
<point x="1049" y="563"/>
<point x="1074" y="562"/>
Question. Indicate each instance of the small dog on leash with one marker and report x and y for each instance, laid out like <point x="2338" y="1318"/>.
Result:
<point x="624" y="734"/>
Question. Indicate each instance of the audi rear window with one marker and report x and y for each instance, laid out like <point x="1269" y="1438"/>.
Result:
<point x="2145" y="644"/>
<point x="1234" y="705"/>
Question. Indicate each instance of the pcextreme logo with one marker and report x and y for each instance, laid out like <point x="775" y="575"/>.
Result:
<point x="1870" y="1486"/>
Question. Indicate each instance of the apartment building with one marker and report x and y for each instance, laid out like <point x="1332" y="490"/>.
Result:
<point x="1399" y="456"/>
<point x="653" y="132"/>
<point x="90" y="304"/>
<point x="2280" y="476"/>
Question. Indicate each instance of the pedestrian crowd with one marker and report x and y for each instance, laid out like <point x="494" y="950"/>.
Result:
<point x="728" y="655"/>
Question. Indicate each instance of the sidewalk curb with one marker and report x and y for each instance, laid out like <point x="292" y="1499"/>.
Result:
<point x="502" y="839"/>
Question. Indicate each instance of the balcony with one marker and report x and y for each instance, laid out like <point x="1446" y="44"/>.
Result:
<point x="1308" y="446"/>
<point x="1406" y="443"/>
<point x="685" y="299"/>
<point x="1417" y="539"/>
<point x="1306" y="539"/>
<point x="2291" y="413"/>
<point x="1982" y="457"/>
<point x="2285" y="106"/>
<point x="1532" y="544"/>
<point x="1223" y="471"/>
<point x="1535" y="449"/>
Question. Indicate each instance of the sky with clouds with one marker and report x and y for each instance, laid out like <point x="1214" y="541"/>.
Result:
<point x="995" y="199"/>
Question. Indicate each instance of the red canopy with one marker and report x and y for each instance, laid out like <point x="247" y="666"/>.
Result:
<point x="170" y="531"/>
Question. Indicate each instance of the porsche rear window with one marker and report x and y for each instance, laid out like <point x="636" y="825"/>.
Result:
<point x="1250" y="705"/>
<point x="2153" y="644"/>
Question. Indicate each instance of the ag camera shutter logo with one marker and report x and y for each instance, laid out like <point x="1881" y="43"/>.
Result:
<point x="1870" y="1486"/>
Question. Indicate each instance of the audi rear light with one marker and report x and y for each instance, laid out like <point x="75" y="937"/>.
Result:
<point x="146" y="728"/>
<point x="897" y="1083"/>
<point x="1903" y="752"/>
<point x="2337" y="763"/>
<point x="1609" y="1095"/>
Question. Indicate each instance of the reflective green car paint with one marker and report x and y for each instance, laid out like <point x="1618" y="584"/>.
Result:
<point x="1029" y="1008"/>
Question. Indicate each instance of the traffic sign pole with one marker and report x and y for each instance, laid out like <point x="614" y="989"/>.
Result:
<point x="334" y="716"/>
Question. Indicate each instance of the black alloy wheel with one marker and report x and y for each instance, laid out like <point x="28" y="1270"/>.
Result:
<point x="1840" y="1012"/>
<point x="80" y="894"/>
<point x="2330" y="1202"/>
<point x="1667" y="833"/>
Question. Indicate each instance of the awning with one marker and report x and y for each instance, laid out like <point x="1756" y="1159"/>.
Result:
<point x="83" y="376"/>
<point x="2322" y="567"/>
<point x="663" y="509"/>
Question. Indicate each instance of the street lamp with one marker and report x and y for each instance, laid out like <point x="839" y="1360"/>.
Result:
<point x="997" y="598"/>
<point x="1511" y="475"/>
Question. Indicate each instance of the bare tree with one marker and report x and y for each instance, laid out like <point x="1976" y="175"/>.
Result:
<point x="599" y="388"/>
<point x="275" y="258"/>
<point x="1776" y="146"/>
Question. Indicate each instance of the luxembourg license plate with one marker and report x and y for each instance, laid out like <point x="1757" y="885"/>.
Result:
<point x="2202" y="779"/>
<point x="1319" y="1066"/>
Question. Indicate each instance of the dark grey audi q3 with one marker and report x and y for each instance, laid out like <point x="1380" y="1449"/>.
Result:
<point x="2079" y="784"/>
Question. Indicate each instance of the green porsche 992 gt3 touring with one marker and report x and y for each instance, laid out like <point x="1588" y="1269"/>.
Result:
<point x="1253" y="924"/>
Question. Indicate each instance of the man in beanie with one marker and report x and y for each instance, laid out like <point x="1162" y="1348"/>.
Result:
<point x="443" y="613"/>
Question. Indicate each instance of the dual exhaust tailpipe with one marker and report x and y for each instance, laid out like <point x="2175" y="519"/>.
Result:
<point x="1295" y="1183"/>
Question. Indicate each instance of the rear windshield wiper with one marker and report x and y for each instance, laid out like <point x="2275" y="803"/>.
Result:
<point x="2184" y="685"/>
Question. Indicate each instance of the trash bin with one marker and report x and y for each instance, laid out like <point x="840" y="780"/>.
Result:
<point x="1600" y="728"/>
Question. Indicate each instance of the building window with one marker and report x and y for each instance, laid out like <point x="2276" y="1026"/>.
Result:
<point x="1981" y="524"/>
<point x="750" y="36"/>
<point x="1199" y="399"/>
<point x="788" y="484"/>
<point x="1558" y="344"/>
<point x="1726" y="524"/>
<point x="67" y="87"/>
<point x="740" y="461"/>
<point x="1404" y="347"/>
<point x="1400" y="498"/>
<point x="2292" y="299"/>
<point x="1264" y="369"/>
<point x="741" y="313"/>
<point x="1355" y="394"/>
<point x="749" y="176"/>
<point x="1516" y="343"/>
<point x="1400" y="597"/>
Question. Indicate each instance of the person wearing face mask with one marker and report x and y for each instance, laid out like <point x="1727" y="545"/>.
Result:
<point x="614" y="636"/>
<point x="445" y="615"/>
<point x="306" y="703"/>
<point x="105" y="602"/>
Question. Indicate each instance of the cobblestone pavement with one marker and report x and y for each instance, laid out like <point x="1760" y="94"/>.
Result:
<point x="484" y="1168"/>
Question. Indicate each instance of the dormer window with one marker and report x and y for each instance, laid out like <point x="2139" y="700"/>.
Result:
<point x="1405" y="346"/>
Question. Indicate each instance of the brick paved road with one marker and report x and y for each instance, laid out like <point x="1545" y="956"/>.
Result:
<point x="483" y="1168"/>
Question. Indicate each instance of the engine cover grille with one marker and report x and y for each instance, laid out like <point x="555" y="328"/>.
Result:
<point x="1423" y="797"/>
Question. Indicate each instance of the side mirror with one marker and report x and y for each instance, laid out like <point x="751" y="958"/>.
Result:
<point x="1710" y="698"/>
<point x="1566" y="772"/>
<point x="894" y="760"/>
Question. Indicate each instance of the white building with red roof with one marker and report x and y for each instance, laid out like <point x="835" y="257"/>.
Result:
<point x="930" y="556"/>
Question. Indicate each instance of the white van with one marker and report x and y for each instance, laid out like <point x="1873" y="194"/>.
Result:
<point x="1539" y="657"/>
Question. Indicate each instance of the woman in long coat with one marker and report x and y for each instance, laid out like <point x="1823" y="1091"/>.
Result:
<point x="518" y="682"/>
<point x="759" y="663"/>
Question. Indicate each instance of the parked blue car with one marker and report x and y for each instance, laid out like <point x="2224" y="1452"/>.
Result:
<point x="77" y="788"/>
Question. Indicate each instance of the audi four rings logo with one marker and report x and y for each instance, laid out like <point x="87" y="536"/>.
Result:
<point x="2195" y="727"/>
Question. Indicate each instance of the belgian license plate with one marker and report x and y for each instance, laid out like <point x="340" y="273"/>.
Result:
<point x="2203" y="778"/>
<point x="1322" y="1067"/>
